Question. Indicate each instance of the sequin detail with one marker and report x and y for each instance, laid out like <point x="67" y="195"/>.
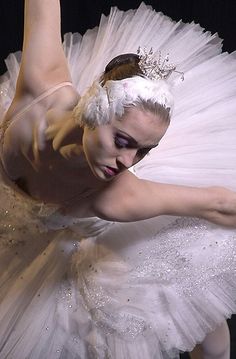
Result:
<point x="114" y="292"/>
<point x="180" y="251"/>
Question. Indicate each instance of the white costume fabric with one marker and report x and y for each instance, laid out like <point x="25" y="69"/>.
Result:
<point x="83" y="289"/>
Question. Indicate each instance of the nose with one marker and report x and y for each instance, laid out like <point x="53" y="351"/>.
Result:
<point x="127" y="157"/>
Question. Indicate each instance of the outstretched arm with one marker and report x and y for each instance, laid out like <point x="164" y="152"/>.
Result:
<point x="131" y="199"/>
<point x="43" y="61"/>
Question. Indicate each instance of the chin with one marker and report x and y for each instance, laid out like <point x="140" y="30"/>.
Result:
<point x="98" y="173"/>
<point x="95" y="170"/>
<point x="102" y="174"/>
<point x="103" y="177"/>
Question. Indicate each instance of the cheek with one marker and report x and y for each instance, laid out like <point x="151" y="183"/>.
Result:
<point x="103" y="141"/>
<point x="89" y="145"/>
<point x="97" y="143"/>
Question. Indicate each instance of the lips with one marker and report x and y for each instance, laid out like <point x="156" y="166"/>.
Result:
<point x="110" y="171"/>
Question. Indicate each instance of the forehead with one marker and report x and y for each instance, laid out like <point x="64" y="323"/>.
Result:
<point x="145" y="127"/>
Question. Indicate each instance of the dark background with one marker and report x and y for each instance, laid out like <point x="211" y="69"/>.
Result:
<point x="214" y="15"/>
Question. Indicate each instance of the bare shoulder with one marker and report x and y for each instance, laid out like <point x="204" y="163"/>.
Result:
<point x="62" y="96"/>
<point x="125" y="183"/>
<point x="26" y="120"/>
<point x="106" y="199"/>
<point x="115" y="196"/>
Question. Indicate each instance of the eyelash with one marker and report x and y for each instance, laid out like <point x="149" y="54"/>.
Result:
<point x="121" y="142"/>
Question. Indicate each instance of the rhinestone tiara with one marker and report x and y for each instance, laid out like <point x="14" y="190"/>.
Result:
<point x="156" y="67"/>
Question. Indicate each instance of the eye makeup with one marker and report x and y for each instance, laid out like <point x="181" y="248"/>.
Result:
<point x="123" y="140"/>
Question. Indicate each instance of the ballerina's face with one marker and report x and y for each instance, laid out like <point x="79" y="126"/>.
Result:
<point x="113" y="148"/>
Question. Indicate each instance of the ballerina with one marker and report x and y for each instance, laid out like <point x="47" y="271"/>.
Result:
<point x="73" y="152"/>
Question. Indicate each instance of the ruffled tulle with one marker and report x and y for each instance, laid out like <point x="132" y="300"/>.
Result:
<point x="91" y="289"/>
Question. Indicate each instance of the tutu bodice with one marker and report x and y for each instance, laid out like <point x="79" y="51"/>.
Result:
<point x="86" y="288"/>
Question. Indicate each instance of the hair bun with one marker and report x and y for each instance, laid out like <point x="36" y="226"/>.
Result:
<point x="121" y="67"/>
<point x="124" y="59"/>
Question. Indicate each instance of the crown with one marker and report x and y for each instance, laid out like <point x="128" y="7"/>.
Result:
<point x="156" y="67"/>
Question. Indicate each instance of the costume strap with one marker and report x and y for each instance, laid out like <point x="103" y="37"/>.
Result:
<point x="42" y="97"/>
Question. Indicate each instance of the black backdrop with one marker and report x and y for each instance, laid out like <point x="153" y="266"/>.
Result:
<point x="214" y="15"/>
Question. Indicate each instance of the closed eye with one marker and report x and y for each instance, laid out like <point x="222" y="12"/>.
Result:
<point x="124" y="142"/>
<point x="121" y="142"/>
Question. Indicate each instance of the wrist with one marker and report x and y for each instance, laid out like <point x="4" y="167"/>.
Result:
<point x="220" y="204"/>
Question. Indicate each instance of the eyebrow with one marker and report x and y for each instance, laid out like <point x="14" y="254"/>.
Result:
<point x="134" y="142"/>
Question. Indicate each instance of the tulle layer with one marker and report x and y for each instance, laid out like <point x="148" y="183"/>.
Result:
<point x="90" y="289"/>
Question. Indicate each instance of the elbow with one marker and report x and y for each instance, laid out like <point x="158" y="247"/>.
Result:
<point x="111" y="212"/>
<point x="104" y="212"/>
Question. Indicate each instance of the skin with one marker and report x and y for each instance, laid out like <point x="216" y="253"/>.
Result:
<point x="82" y="155"/>
<point x="40" y="163"/>
<point x="90" y="159"/>
<point x="123" y="142"/>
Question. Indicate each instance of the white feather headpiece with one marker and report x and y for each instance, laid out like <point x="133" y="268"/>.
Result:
<point x="100" y="103"/>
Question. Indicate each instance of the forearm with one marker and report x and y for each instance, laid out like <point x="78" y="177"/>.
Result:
<point x="142" y="199"/>
<point x="156" y="199"/>
<point x="151" y="199"/>
<point x="215" y="204"/>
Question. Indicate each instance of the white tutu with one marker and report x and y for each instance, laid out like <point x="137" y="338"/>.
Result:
<point x="91" y="289"/>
